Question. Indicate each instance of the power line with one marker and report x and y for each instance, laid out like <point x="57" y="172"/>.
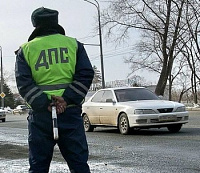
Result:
<point x="110" y="56"/>
<point x="107" y="54"/>
<point x="114" y="52"/>
<point x="87" y="37"/>
<point x="91" y="44"/>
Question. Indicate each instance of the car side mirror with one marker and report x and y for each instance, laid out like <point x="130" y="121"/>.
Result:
<point x="110" y="101"/>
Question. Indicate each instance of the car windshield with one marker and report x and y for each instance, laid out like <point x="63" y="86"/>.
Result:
<point x="134" y="94"/>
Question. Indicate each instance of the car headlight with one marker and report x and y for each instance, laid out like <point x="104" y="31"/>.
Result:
<point x="180" y="109"/>
<point x="144" y="111"/>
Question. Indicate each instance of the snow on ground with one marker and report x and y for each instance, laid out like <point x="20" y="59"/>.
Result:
<point x="9" y="136"/>
<point x="21" y="166"/>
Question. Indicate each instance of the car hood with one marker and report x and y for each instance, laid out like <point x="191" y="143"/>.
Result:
<point x="151" y="104"/>
<point x="1" y="110"/>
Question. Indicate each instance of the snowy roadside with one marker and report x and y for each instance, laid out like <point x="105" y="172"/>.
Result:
<point x="9" y="137"/>
<point x="12" y="139"/>
<point x="21" y="166"/>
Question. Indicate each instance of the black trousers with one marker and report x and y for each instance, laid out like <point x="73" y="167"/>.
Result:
<point x="72" y="141"/>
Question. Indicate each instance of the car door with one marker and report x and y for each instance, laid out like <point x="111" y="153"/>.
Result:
<point x="92" y="108"/>
<point x="108" y="109"/>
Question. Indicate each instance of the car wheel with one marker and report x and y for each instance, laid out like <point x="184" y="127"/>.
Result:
<point x="174" y="128"/>
<point x="87" y="125"/>
<point x="123" y="124"/>
<point x="4" y="120"/>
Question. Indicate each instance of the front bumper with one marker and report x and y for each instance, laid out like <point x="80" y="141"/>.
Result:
<point x="157" y="120"/>
<point x="2" y="116"/>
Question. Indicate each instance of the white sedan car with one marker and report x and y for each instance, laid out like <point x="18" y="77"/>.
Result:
<point x="21" y="109"/>
<point x="2" y="115"/>
<point x="132" y="107"/>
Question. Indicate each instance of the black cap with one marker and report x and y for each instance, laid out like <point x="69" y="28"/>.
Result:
<point x="44" y="17"/>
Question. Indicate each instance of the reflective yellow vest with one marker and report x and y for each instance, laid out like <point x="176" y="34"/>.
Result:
<point x="52" y="60"/>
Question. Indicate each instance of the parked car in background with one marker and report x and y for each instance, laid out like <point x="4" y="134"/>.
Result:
<point x="21" y="109"/>
<point x="2" y="115"/>
<point x="7" y="109"/>
<point x="132" y="107"/>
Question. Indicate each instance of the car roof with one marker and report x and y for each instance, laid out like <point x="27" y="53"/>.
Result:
<point x="116" y="88"/>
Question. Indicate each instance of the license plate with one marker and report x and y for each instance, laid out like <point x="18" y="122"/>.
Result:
<point x="167" y="118"/>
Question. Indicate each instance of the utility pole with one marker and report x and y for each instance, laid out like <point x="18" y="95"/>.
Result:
<point x="2" y="93"/>
<point x="100" y="40"/>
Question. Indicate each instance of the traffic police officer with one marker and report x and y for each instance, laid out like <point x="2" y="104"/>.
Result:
<point x="52" y="64"/>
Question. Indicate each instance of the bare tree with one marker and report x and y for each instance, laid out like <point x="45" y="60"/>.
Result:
<point x="136" y="80"/>
<point x="97" y="76"/>
<point x="178" y="71"/>
<point x="182" y="83"/>
<point x="190" y="44"/>
<point x="96" y="83"/>
<point x="162" y="23"/>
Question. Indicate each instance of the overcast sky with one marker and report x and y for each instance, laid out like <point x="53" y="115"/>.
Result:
<point x="78" y="19"/>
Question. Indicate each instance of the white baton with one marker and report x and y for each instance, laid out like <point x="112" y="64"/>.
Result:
<point x="55" y="124"/>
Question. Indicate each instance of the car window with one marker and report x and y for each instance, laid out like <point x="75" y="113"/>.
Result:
<point x="21" y="107"/>
<point x="97" y="97"/>
<point x="107" y="95"/>
<point x="89" y="94"/>
<point x="134" y="94"/>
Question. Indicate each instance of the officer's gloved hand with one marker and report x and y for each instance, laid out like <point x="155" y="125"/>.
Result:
<point x="60" y="104"/>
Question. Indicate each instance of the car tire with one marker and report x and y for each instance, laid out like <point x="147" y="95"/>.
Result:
<point x="174" y="128"/>
<point x="4" y="120"/>
<point x="123" y="124"/>
<point x="87" y="125"/>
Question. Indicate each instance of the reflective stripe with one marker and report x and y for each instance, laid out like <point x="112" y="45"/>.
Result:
<point x="33" y="97"/>
<point x="53" y="87"/>
<point x="72" y="105"/>
<point x="30" y="92"/>
<point x="81" y="85"/>
<point x="76" y="90"/>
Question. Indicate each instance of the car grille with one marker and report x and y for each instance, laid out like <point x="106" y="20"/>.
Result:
<point x="156" y="120"/>
<point x="165" y="110"/>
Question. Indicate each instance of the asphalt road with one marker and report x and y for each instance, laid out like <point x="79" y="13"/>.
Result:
<point x="145" y="151"/>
